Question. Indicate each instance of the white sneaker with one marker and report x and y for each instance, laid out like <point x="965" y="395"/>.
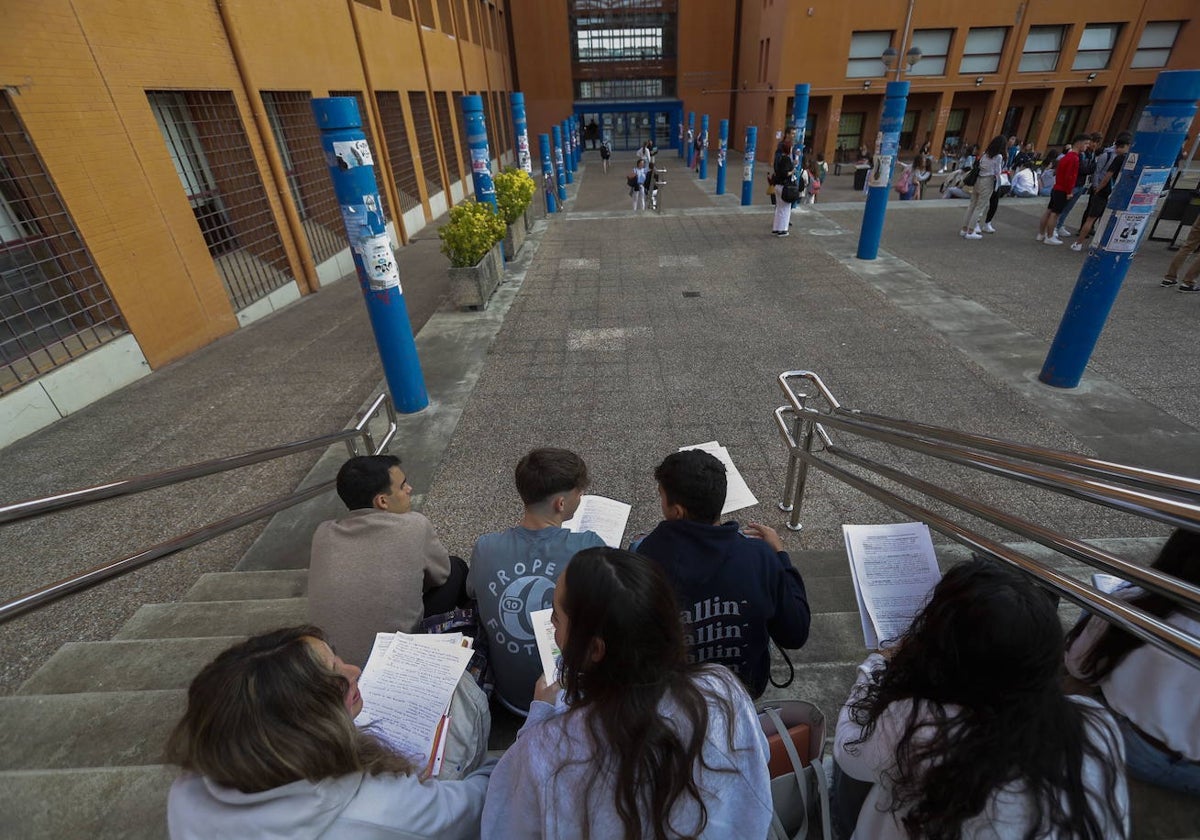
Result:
<point x="987" y="228"/>
<point x="972" y="235"/>
<point x="1041" y="237"/>
<point x="1053" y="240"/>
<point x="1062" y="233"/>
<point x="977" y="230"/>
<point x="1075" y="246"/>
<point x="940" y="171"/>
<point x="962" y="232"/>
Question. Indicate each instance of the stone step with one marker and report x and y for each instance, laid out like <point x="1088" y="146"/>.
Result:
<point x="138" y="665"/>
<point x="94" y="729"/>
<point x="826" y="684"/>
<point x="249" y="586"/>
<point x="109" y="803"/>
<point x="1159" y="814"/>
<point x="213" y="618"/>
<point x="832" y="637"/>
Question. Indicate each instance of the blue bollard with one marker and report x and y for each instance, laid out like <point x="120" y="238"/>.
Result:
<point x="477" y="143"/>
<point x="573" y="161"/>
<point x="704" y="148"/>
<point x="352" y="170"/>
<point x="560" y="166"/>
<point x="691" y="137"/>
<point x="577" y="139"/>
<point x="516" y="102"/>
<point x="881" y="173"/>
<point x="748" y="165"/>
<point x="799" y="120"/>
<point x="722" y="151"/>
<point x="1161" y="132"/>
<point x="547" y="173"/>
<point x="567" y="155"/>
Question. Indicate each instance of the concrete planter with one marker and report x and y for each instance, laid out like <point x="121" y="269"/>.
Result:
<point x="472" y="287"/>
<point x="514" y="239"/>
<point x="528" y="221"/>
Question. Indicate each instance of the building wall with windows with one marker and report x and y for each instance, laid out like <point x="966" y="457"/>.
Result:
<point x="161" y="179"/>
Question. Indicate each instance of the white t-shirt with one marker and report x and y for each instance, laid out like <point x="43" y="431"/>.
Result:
<point x="1008" y="813"/>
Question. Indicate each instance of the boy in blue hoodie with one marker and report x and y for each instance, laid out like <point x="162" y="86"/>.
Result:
<point x="735" y="587"/>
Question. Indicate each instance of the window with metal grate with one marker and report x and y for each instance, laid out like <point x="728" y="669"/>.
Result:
<point x="54" y="305"/>
<point x="299" y="143"/>
<point x="395" y="135"/>
<point x="450" y="148"/>
<point x="418" y="105"/>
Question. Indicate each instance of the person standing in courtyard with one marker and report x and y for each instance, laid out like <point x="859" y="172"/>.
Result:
<point x="637" y="184"/>
<point x="1065" y="173"/>
<point x="1190" y="248"/>
<point x="783" y="178"/>
<point x="990" y="166"/>
<point x="1112" y="159"/>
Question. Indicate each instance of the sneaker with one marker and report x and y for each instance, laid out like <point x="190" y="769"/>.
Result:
<point x="1188" y="287"/>
<point x="1168" y="281"/>
<point x="977" y="230"/>
<point x="972" y="235"/>
<point x="987" y="228"/>
<point x="1053" y="240"/>
<point x="1041" y="237"/>
<point x="784" y="233"/>
<point x="1062" y="232"/>
<point x="1075" y="246"/>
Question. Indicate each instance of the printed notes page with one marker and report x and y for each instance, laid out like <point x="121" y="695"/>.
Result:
<point x="894" y="570"/>
<point x="543" y="633"/>
<point x="604" y="517"/>
<point x="737" y="492"/>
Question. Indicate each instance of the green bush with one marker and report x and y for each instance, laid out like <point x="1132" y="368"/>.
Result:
<point x="473" y="229"/>
<point x="514" y="192"/>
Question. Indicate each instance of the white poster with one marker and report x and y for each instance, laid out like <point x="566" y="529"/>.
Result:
<point x="380" y="263"/>
<point x="351" y="153"/>
<point x="1127" y="232"/>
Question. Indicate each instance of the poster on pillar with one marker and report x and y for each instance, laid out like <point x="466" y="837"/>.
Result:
<point x="379" y="262"/>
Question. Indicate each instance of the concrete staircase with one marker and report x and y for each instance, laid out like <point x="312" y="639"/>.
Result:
<point x="81" y="742"/>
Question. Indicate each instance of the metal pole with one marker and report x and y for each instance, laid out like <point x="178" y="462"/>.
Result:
<point x="568" y="155"/>
<point x="477" y="143"/>
<point x="704" y="148"/>
<point x="1161" y="131"/>
<point x="800" y="116"/>
<point x="352" y="170"/>
<point x="516" y="102"/>
<point x="560" y="166"/>
<point x="547" y="173"/>
<point x="881" y="172"/>
<point x="691" y="137"/>
<point x="722" y="150"/>
<point x="748" y="165"/>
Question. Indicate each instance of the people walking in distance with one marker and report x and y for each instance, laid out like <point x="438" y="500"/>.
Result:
<point x="697" y="148"/>
<point x="961" y="728"/>
<point x="783" y="177"/>
<point x="1066" y="171"/>
<point x="1155" y="697"/>
<point x="822" y="167"/>
<point x="605" y="154"/>
<point x="632" y="740"/>
<point x="1014" y="149"/>
<point x="643" y="154"/>
<point x="990" y="166"/>
<point x="1189" y="249"/>
<point x="637" y="184"/>
<point x="1111" y="159"/>
<point x="593" y="132"/>
<point x="1083" y="180"/>
<point x="814" y="185"/>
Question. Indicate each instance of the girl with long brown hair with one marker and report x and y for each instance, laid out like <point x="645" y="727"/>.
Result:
<point x="639" y="743"/>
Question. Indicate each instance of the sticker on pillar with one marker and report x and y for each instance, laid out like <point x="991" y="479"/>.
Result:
<point x="881" y="172"/>
<point x="358" y="226"/>
<point x="348" y="154"/>
<point x="1145" y="194"/>
<point x="479" y="161"/>
<point x="1126" y="232"/>
<point x="379" y="262"/>
<point x="721" y="154"/>
<point x="523" y="152"/>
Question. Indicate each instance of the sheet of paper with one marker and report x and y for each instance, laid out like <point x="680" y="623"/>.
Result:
<point x="543" y="634"/>
<point x="894" y="569"/>
<point x="737" y="492"/>
<point x="603" y="516"/>
<point x="1107" y="583"/>
<point x="868" y="629"/>
<point x="408" y="691"/>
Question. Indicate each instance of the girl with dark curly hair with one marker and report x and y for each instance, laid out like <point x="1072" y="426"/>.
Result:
<point x="963" y="731"/>
<point x="639" y="743"/>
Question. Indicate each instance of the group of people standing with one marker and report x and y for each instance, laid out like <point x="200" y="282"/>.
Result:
<point x="796" y="177"/>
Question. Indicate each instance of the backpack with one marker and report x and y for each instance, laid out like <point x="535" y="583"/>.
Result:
<point x="904" y="181"/>
<point x="790" y="191"/>
<point x="814" y="185"/>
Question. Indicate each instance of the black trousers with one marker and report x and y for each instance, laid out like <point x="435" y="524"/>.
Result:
<point x="451" y="594"/>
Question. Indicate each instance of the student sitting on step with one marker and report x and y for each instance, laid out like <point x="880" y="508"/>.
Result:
<point x="961" y="729"/>
<point x="269" y="748"/>
<point x="513" y="571"/>
<point x="735" y="588"/>
<point x="381" y="567"/>
<point x="640" y="743"/>
<point x="1155" y="697"/>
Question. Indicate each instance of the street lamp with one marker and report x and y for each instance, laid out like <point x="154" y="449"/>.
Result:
<point x="890" y="59"/>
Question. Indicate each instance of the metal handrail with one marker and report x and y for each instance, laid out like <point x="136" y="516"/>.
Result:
<point x="74" y="498"/>
<point x="1157" y="497"/>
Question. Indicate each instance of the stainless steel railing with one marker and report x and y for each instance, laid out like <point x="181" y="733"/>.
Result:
<point x="806" y="428"/>
<point x="359" y="433"/>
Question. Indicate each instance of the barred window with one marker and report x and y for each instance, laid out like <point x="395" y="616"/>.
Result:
<point x="54" y="305"/>
<point x="365" y="117"/>
<point x="395" y="135"/>
<point x="449" y="145"/>
<point x="299" y="142"/>
<point x="218" y="172"/>
<point x="418" y="104"/>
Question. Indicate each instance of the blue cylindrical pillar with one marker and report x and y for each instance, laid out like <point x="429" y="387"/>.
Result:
<point x="560" y="165"/>
<point x="881" y="172"/>
<point x="516" y="102"/>
<point x="477" y="142"/>
<point x="568" y="156"/>
<point x="722" y="150"/>
<point x="748" y="165"/>
<point x="577" y="139"/>
<point x="800" y="115"/>
<point x="573" y="161"/>
<point x="704" y="147"/>
<point x="1161" y="132"/>
<point x="691" y="137"/>
<point x="352" y="170"/>
<point x="548" y="186"/>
